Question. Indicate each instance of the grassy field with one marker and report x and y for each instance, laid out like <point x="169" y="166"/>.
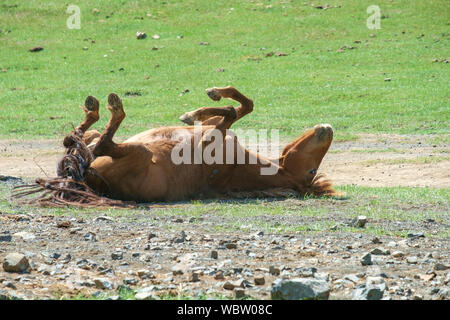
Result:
<point x="40" y="91"/>
<point x="382" y="206"/>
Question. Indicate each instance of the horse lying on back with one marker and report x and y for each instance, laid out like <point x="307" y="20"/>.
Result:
<point x="147" y="166"/>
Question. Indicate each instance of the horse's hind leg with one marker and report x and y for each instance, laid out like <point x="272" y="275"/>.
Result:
<point x="212" y="116"/>
<point x="91" y="106"/>
<point x="105" y="145"/>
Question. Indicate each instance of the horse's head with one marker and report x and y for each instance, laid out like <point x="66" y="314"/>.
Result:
<point x="302" y="158"/>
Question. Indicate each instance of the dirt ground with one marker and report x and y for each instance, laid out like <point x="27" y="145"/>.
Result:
<point x="373" y="160"/>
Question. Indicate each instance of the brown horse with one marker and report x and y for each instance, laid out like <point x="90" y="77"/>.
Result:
<point x="142" y="169"/>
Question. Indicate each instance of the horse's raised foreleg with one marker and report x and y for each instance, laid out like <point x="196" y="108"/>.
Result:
<point x="212" y="116"/>
<point x="91" y="116"/>
<point x="105" y="145"/>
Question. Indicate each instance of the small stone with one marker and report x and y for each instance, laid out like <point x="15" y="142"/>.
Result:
<point x="145" y="274"/>
<point x="440" y="266"/>
<point x="376" y="240"/>
<point x="380" y="251"/>
<point x="104" y="284"/>
<point x="239" y="293"/>
<point x="146" y="293"/>
<point x="130" y="281"/>
<point x="105" y="218"/>
<point x="194" y="277"/>
<point x="118" y="255"/>
<point x="299" y="289"/>
<point x="36" y="49"/>
<point x="305" y="272"/>
<point x="214" y="254"/>
<point x="387" y="79"/>
<point x="231" y="245"/>
<point x="25" y="236"/>
<point x="373" y="289"/>
<point x="5" y="237"/>
<point x="416" y="235"/>
<point x="90" y="236"/>
<point x="228" y="285"/>
<point x="260" y="280"/>
<point x="412" y="260"/>
<point x="16" y="262"/>
<point x="181" y="238"/>
<point x="274" y="271"/>
<point x="219" y="275"/>
<point x="359" y="222"/>
<point x="141" y="35"/>
<point x="398" y="254"/>
<point x="177" y="270"/>
<point x="151" y="236"/>
<point x="64" y="224"/>
<point x="366" y="260"/>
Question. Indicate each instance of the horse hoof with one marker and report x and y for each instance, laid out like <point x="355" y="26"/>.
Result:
<point x="91" y="103"/>
<point x="213" y="94"/>
<point x="114" y="102"/>
<point x="188" y="118"/>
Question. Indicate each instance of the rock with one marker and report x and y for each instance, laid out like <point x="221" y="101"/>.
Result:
<point x="90" y="236"/>
<point x="440" y="266"/>
<point x="214" y="254"/>
<point x="193" y="277"/>
<point x="239" y="293"/>
<point x="274" y="271"/>
<point x="260" y="280"/>
<point x="219" y="275"/>
<point x="130" y="281"/>
<point x="64" y="224"/>
<point x="373" y="289"/>
<point x="305" y="272"/>
<point x="412" y="260"/>
<point x="380" y="251"/>
<point x="181" y="238"/>
<point x="104" y="218"/>
<point x="351" y="277"/>
<point x="146" y="293"/>
<point x="298" y="289"/>
<point x="141" y="35"/>
<point x="36" y="49"/>
<point x="118" y="255"/>
<point x="5" y="237"/>
<point x="322" y="276"/>
<point x="366" y="260"/>
<point x="443" y="294"/>
<point x="24" y="235"/>
<point x="359" y="222"/>
<point x="85" y="283"/>
<point x="228" y="285"/>
<point x="151" y="236"/>
<point x="177" y="270"/>
<point x="145" y="274"/>
<point x="231" y="245"/>
<point x="398" y="254"/>
<point x="16" y="262"/>
<point x="9" y="284"/>
<point x="86" y="264"/>
<point x="416" y="235"/>
<point x="102" y="283"/>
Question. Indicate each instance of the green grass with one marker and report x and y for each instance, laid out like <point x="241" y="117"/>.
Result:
<point x="40" y="92"/>
<point x="383" y="206"/>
